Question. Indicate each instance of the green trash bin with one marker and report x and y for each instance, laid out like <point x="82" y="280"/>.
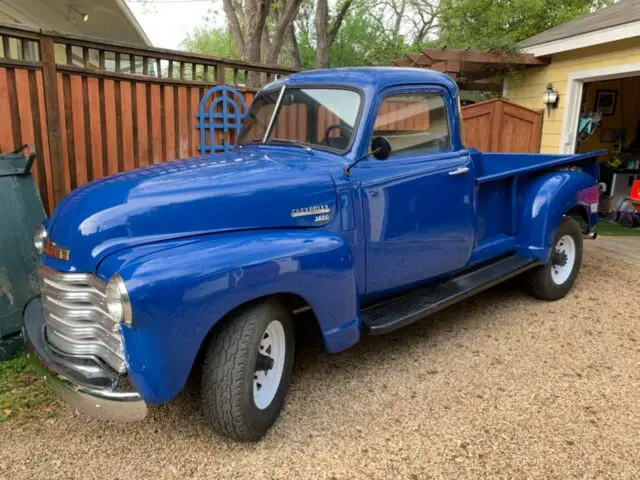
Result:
<point x="21" y="212"/>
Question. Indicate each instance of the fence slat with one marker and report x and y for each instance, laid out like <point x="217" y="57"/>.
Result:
<point x="63" y="135"/>
<point x="110" y="126"/>
<point x="169" y="124"/>
<point x="127" y="125"/>
<point x="45" y="155"/>
<point x="156" y="124"/>
<point x="95" y="127"/>
<point x="6" y="131"/>
<point x="195" y="95"/>
<point x="24" y="107"/>
<point x="183" y="123"/>
<point x="25" y="115"/>
<point x="79" y="133"/>
<point x="143" y="127"/>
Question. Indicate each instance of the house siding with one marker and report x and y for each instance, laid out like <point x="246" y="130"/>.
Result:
<point x="527" y="86"/>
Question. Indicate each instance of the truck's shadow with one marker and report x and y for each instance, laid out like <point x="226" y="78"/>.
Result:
<point x="370" y="354"/>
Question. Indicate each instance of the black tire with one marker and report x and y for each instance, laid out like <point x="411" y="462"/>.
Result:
<point x="228" y="372"/>
<point x="540" y="281"/>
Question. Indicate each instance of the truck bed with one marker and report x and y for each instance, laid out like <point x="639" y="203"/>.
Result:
<point x="500" y="177"/>
<point x="496" y="166"/>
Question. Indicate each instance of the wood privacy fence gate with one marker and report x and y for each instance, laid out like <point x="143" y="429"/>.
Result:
<point x="93" y="108"/>
<point x="501" y="126"/>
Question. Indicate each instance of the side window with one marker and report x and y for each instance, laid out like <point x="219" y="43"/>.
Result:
<point x="414" y="123"/>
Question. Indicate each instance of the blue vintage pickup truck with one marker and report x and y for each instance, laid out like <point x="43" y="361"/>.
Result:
<point x="349" y="195"/>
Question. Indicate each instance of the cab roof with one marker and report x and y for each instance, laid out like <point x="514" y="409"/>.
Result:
<point x="376" y="78"/>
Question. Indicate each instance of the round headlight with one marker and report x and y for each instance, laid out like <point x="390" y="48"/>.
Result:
<point x="39" y="238"/>
<point x="117" y="300"/>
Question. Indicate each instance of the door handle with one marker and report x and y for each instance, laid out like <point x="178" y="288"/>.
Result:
<point x="459" y="171"/>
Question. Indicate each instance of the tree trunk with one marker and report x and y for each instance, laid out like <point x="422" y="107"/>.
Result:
<point x="233" y="23"/>
<point x="247" y="21"/>
<point x="284" y="19"/>
<point x="256" y="12"/>
<point x="325" y="34"/>
<point x="290" y="48"/>
<point x="322" y="46"/>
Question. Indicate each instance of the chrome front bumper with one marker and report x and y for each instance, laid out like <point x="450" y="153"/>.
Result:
<point x="82" y="382"/>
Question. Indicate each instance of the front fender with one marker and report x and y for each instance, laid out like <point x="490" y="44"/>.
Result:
<point x="178" y="294"/>
<point x="545" y="200"/>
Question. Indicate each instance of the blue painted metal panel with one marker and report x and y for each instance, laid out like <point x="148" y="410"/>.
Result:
<point x="249" y="189"/>
<point x="221" y="110"/>
<point x="179" y="293"/>
<point x="543" y="202"/>
<point x="503" y="165"/>
<point x="418" y="220"/>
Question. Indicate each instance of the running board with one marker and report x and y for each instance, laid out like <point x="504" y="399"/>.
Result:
<point x="397" y="312"/>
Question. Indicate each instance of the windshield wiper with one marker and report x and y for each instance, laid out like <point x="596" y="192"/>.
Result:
<point x="286" y="141"/>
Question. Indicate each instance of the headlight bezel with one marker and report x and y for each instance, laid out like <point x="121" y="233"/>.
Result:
<point x="39" y="237"/>
<point x="117" y="301"/>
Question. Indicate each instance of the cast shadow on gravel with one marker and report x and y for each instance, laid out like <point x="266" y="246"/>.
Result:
<point x="313" y="360"/>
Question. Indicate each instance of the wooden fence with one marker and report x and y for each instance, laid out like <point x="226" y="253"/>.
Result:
<point x="501" y="126"/>
<point x="92" y="108"/>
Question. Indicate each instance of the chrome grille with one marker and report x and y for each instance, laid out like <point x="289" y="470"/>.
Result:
<point x="76" y="318"/>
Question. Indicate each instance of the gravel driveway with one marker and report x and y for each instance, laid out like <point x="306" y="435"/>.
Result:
<point x="501" y="385"/>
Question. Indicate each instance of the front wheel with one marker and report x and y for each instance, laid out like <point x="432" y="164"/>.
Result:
<point x="246" y="371"/>
<point x="554" y="280"/>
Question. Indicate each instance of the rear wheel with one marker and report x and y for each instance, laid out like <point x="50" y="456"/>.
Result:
<point x="554" y="280"/>
<point x="246" y="371"/>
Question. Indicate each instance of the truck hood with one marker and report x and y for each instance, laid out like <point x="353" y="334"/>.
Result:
<point x="247" y="189"/>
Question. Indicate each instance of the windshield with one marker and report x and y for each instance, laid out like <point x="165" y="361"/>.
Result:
<point x="323" y="117"/>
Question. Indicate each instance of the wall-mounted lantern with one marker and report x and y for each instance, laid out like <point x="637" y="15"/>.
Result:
<point x="550" y="98"/>
<point x="76" y="16"/>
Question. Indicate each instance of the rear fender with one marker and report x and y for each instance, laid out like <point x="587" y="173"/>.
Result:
<point x="178" y="295"/>
<point x="545" y="200"/>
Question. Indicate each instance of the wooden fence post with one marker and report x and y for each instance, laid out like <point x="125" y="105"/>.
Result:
<point x="52" y="107"/>
<point x="221" y="74"/>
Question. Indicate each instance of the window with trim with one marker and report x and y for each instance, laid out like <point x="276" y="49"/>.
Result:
<point x="414" y="123"/>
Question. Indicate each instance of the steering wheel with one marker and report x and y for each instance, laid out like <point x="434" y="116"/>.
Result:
<point x="337" y="142"/>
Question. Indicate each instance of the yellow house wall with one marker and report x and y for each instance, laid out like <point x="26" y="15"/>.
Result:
<point x="527" y="86"/>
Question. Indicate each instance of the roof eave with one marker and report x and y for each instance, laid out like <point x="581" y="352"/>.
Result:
<point x="598" y="37"/>
<point x="134" y="21"/>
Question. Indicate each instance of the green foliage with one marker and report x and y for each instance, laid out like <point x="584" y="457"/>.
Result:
<point x="22" y="391"/>
<point x="215" y="41"/>
<point x="359" y="42"/>
<point x="501" y="24"/>
<point x="370" y="35"/>
<point x="609" y="229"/>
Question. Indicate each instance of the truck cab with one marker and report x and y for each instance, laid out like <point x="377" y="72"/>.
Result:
<point x="349" y="194"/>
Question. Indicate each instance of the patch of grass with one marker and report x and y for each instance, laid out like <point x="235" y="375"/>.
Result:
<point x="22" y="391"/>
<point x="610" y="229"/>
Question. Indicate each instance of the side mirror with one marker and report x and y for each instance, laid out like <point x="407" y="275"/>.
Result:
<point x="380" y="148"/>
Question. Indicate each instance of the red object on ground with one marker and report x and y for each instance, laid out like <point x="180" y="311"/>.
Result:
<point x="634" y="194"/>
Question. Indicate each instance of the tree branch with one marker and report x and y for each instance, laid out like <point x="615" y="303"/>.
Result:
<point x="234" y="25"/>
<point x="337" y="23"/>
<point x="285" y="18"/>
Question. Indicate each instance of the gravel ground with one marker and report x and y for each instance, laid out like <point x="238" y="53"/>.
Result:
<point x="501" y="385"/>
